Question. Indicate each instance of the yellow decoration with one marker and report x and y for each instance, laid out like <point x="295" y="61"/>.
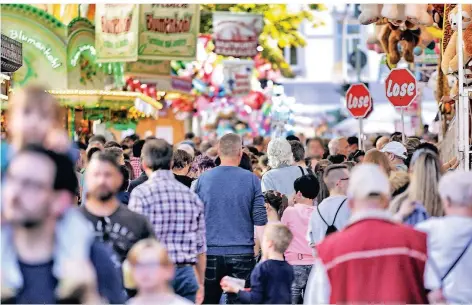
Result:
<point x="437" y="33"/>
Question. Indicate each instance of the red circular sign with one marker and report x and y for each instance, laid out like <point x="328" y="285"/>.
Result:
<point x="400" y="87"/>
<point x="358" y="100"/>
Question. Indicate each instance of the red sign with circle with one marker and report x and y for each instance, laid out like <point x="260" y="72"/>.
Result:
<point x="400" y="87"/>
<point x="358" y="100"/>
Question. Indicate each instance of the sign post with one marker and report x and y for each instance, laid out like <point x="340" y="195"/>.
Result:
<point x="401" y="89"/>
<point x="359" y="104"/>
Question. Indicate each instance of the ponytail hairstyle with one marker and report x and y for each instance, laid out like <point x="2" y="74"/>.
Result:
<point x="277" y="201"/>
<point x="319" y="173"/>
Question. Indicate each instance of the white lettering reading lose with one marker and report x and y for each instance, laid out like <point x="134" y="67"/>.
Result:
<point x="401" y="91"/>
<point x="354" y="102"/>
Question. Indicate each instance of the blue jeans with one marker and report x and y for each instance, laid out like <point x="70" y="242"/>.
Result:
<point x="185" y="283"/>
<point x="301" y="273"/>
<point x="238" y="266"/>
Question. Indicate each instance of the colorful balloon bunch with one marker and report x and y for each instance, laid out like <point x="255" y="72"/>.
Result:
<point x="134" y="85"/>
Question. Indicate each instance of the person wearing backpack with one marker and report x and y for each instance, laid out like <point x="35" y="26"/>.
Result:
<point x="332" y="213"/>
<point x="450" y="242"/>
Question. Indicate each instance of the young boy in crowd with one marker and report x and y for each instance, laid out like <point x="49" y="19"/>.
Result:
<point x="149" y="269"/>
<point x="271" y="280"/>
<point x="297" y="218"/>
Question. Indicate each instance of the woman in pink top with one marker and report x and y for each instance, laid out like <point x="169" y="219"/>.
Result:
<point x="297" y="218"/>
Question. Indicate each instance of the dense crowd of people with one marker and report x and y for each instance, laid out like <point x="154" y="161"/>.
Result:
<point x="281" y="221"/>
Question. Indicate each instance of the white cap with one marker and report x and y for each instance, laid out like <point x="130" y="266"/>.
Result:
<point x="366" y="180"/>
<point x="187" y="148"/>
<point x="396" y="148"/>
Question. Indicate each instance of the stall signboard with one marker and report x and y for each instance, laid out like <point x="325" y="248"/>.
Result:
<point x="168" y="31"/>
<point x="82" y="69"/>
<point x="147" y="68"/>
<point x="172" y="84"/>
<point x="12" y="54"/>
<point x="237" y="77"/>
<point x="236" y="34"/>
<point x="182" y="84"/>
<point x="43" y="47"/>
<point x="116" y="28"/>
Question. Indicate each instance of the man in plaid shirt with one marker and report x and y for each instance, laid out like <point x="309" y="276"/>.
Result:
<point x="176" y="214"/>
<point x="135" y="160"/>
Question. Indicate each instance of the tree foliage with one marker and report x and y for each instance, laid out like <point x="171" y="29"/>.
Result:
<point x="280" y="28"/>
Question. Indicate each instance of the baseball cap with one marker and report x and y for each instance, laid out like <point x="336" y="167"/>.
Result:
<point x="368" y="180"/>
<point x="395" y="148"/>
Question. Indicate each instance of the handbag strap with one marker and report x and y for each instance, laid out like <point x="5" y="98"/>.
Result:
<point x="457" y="260"/>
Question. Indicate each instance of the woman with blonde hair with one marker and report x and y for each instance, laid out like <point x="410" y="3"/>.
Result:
<point x="149" y="270"/>
<point x="421" y="200"/>
<point x="377" y="157"/>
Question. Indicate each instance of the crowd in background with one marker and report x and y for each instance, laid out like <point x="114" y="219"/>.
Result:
<point x="297" y="220"/>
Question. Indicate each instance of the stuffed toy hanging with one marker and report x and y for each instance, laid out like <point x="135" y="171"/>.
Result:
<point x="392" y="36"/>
<point x="414" y="13"/>
<point x="450" y="59"/>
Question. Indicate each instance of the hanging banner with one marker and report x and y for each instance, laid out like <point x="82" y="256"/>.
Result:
<point x="147" y="68"/>
<point x="237" y="77"/>
<point x="168" y="31"/>
<point x="236" y="34"/>
<point x="116" y="32"/>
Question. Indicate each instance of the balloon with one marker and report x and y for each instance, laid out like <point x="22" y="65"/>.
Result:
<point x="221" y="92"/>
<point x="202" y="103"/>
<point x="431" y="45"/>
<point x="199" y="85"/>
<point x="417" y="51"/>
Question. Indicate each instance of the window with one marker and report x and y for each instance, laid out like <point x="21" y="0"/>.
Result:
<point x="291" y="55"/>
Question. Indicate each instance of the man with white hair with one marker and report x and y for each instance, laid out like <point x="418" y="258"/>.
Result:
<point x="449" y="242"/>
<point x="283" y="172"/>
<point x="338" y="146"/>
<point x="374" y="259"/>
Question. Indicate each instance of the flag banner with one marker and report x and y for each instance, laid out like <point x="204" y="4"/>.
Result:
<point x="237" y="77"/>
<point x="116" y="32"/>
<point x="236" y="34"/>
<point x="168" y="31"/>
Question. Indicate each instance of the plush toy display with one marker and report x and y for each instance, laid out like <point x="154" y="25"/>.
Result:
<point x="392" y="38"/>
<point x="370" y="13"/>
<point x="437" y="12"/>
<point x="396" y="13"/>
<point x="450" y="60"/>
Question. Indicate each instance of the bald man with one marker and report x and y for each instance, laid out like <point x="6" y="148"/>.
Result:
<point x="339" y="146"/>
